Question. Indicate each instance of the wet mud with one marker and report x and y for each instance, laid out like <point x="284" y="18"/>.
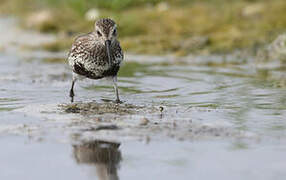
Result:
<point x="91" y="108"/>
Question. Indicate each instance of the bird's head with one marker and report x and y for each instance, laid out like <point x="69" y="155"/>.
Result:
<point x="106" y="32"/>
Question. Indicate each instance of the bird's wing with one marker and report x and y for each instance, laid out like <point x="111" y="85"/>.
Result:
<point x="81" y="48"/>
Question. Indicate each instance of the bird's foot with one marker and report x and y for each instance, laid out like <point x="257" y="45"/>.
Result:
<point x="117" y="101"/>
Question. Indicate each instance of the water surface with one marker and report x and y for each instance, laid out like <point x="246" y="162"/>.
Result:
<point x="219" y="122"/>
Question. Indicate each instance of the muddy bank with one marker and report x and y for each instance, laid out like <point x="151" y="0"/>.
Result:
<point x="159" y="27"/>
<point x="104" y="108"/>
<point x="127" y="122"/>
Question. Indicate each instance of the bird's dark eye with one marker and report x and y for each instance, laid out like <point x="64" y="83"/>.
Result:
<point x="114" y="32"/>
<point x="98" y="33"/>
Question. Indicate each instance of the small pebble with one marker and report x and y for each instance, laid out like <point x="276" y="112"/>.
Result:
<point x="98" y="119"/>
<point x="144" y="121"/>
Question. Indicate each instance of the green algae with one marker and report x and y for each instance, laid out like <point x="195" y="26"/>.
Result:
<point x="223" y="25"/>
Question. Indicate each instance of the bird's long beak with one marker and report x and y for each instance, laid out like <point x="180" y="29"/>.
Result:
<point x="107" y="46"/>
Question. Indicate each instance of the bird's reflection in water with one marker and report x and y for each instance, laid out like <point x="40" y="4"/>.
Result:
<point x="104" y="156"/>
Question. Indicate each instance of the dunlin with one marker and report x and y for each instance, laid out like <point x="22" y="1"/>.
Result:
<point x="96" y="55"/>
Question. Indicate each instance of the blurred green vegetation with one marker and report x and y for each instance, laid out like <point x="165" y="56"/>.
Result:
<point x="161" y="26"/>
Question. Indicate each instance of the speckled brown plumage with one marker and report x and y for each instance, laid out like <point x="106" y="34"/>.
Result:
<point x="97" y="54"/>
<point x="107" y="25"/>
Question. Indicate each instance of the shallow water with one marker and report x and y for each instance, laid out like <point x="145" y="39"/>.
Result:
<point x="219" y="122"/>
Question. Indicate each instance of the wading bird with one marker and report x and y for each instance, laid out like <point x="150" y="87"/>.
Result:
<point x="96" y="55"/>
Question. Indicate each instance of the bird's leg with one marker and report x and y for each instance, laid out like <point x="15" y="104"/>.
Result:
<point x="116" y="89"/>
<point x="71" y="90"/>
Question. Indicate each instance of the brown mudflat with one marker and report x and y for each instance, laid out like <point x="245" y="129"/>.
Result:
<point x="105" y="107"/>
